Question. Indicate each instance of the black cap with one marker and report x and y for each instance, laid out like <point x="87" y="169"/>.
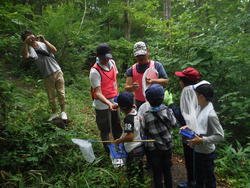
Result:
<point x="104" y="51"/>
<point x="206" y="90"/>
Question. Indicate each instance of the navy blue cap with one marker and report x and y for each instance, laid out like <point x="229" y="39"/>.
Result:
<point x="104" y="51"/>
<point x="155" y="94"/>
<point x="125" y="100"/>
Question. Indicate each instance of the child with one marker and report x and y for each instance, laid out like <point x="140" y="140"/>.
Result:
<point x="210" y="131"/>
<point x="135" y="150"/>
<point x="156" y="124"/>
<point x="186" y="116"/>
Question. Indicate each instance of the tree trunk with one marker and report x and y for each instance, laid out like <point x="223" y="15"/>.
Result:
<point x="167" y="9"/>
<point x="127" y="22"/>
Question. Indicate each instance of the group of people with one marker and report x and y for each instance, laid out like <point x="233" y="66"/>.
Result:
<point x="146" y="115"/>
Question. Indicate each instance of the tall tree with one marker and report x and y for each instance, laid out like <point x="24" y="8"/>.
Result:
<point x="127" y="21"/>
<point x="167" y="9"/>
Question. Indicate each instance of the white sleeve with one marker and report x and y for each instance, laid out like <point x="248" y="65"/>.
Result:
<point x="32" y="53"/>
<point x="43" y="46"/>
<point x="216" y="130"/>
<point x="95" y="78"/>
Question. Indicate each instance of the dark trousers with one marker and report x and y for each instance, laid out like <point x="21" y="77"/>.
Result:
<point x="106" y="119"/>
<point x="204" y="170"/>
<point x="189" y="162"/>
<point x="160" y="162"/>
<point x="135" y="168"/>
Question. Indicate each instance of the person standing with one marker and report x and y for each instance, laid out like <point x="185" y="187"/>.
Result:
<point x="135" y="150"/>
<point x="103" y="80"/>
<point x="209" y="133"/>
<point x="39" y="49"/>
<point x="187" y="77"/>
<point x="156" y="125"/>
<point x="135" y="73"/>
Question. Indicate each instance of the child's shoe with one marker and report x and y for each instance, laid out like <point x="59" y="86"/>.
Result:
<point x="64" y="116"/>
<point x="183" y="185"/>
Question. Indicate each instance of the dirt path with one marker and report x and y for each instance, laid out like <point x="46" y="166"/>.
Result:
<point x="178" y="170"/>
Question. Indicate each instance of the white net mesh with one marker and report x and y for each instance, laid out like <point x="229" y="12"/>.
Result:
<point x="150" y="73"/>
<point x="189" y="107"/>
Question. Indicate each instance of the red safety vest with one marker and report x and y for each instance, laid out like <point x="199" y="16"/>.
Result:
<point x="137" y="77"/>
<point x="108" y="82"/>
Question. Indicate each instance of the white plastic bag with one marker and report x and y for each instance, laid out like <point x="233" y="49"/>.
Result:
<point x="86" y="149"/>
<point x="189" y="107"/>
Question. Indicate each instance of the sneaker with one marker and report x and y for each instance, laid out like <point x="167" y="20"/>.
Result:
<point x="53" y="116"/>
<point x="183" y="185"/>
<point x="64" y="116"/>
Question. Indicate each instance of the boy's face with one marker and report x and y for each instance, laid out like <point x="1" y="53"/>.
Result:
<point x="104" y="60"/>
<point x="182" y="85"/>
<point x="200" y="97"/>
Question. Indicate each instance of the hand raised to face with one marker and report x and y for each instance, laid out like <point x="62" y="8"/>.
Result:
<point x="40" y="38"/>
<point x="30" y="39"/>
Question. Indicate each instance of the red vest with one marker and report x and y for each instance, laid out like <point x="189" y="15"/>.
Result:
<point x="137" y="77"/>
<point x="108" y="82"/>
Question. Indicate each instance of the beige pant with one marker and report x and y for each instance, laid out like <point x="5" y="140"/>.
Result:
<point x="55" y="84"/>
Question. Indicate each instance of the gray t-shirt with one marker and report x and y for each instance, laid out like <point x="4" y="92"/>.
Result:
<point x="45" y="62"/>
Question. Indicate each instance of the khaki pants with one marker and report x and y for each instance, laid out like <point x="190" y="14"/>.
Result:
<point x="55" y="84"/>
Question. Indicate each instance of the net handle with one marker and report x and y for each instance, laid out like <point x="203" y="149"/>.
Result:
<point x="110" y="141"/>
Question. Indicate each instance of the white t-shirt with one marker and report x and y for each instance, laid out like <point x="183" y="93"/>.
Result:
<point x="45" y="63"/>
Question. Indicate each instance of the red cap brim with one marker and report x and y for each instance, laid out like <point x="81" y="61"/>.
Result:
<point x="179" y="74"/>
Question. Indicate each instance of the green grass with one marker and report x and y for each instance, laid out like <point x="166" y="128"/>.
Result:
<point x="39" y="154"/>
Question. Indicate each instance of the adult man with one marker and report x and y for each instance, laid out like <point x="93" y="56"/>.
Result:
<point x="104" y="89"/>
<point x="135" y="73"/>
<point x="39" y="49"/>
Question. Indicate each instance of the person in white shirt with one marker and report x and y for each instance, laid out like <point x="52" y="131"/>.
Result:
<point x="41" y="51"/>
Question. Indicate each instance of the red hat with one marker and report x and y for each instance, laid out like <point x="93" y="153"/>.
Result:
<point x="190" y="73"/>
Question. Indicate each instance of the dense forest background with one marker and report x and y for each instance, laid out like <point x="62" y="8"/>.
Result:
<point x="212" y="36"/>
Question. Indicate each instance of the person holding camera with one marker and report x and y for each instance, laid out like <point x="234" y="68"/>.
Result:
<point x="41" y="51"/>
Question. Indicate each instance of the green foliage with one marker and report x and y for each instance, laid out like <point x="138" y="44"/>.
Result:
<point x="37" y="153"/>
<point x="230" y="104"/>
<point x="6" y="89"/>
<point x="233" y="162"/>
<point x="212" y="36"/>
